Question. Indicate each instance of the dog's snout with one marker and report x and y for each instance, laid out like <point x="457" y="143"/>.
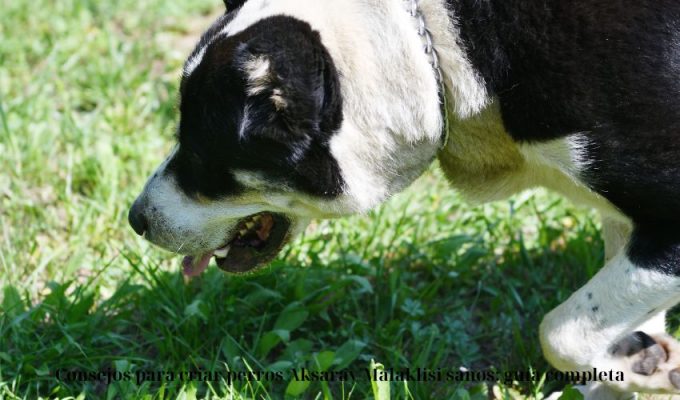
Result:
<point x="137" y="219"/>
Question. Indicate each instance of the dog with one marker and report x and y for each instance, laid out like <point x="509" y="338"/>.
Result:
<point x="292" y="110"/>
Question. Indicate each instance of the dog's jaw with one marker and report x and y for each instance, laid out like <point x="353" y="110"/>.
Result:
<point x="256" y="240"/>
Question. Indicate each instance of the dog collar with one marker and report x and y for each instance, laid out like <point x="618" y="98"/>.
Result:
<point x="431" y="52"/>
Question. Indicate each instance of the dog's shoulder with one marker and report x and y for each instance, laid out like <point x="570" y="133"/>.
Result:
<point x="480" y="151"/>
<point x="484" y="162"/>
<point x="586" y="88"/>
<point x="560" y="67"/>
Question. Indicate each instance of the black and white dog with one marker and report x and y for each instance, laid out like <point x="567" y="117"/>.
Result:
<point x="301" y="109"/>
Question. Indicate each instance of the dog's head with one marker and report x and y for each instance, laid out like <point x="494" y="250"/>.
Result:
<point x="264" y="145"/>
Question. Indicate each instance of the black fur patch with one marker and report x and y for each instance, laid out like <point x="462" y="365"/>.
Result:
<point x="656" y="247"/>
<point x="609" y="70"/>
<point x="560" y="67"/>
<point x="212" y="32"/>
<point x="223" y="128"/>
<point x="233" y="4"/>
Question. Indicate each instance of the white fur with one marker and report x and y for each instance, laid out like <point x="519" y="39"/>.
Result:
<point x="187" y="226"/>
<point x="194" y="61"/>
<point x="245" y="122"/>
<point x="181" y="224"/>
<point x="258" y="72"/>
<point x="466" y="92"/>
<point x="278" y="99"/>
<point x="259" y="75"/>
<point x="578" y="143"/>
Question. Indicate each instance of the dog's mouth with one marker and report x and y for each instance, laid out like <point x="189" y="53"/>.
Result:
<point x="256" y="240"/>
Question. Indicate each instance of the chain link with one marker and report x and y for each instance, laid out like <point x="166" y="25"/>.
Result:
<point x="429" y="49"/>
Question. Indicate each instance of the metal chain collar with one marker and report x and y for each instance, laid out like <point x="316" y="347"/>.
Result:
<point x="429" y="49"/>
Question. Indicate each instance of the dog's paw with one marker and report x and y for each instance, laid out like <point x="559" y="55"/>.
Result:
<point x="650" y="364"/>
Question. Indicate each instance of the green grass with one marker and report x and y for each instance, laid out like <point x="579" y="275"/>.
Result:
<point x="87" y="110"/>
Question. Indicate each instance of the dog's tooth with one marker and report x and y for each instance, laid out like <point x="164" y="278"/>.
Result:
<point x="250" y="225"/>
<point x="243" y="232"/>
<point x="223" y="252"/>
<point x="257" y="218"/>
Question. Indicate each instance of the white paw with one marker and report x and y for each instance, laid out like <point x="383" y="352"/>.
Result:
<point x="650" y="364"/>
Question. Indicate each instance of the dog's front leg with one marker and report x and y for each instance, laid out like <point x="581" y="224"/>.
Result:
<point x="616" y="322"/>
<point x="616" y="235"/>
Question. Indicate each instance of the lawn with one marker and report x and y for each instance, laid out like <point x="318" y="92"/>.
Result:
<point x="87" y="110"/>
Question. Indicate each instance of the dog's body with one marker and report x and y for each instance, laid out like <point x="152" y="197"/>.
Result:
<point x="295" y="109"/>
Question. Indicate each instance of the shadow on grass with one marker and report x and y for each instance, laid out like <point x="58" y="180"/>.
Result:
<point x="446" y="304"/>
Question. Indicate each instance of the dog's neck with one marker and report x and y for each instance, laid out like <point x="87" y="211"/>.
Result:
<point x="398" y="121"/>
<point x="465" y="89"/>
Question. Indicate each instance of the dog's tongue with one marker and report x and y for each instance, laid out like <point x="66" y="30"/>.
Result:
<point x="194" y="266"/>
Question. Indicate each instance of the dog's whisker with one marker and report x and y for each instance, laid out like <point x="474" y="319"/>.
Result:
<point x="179" y="249"/>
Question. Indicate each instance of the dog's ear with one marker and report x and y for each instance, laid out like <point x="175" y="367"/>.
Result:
<point x="261" y="79"/>
<point x="233" y="4"/>
<point x="295" y="93"/>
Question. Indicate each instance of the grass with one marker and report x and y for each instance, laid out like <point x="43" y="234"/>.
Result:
<point x="87" y="110"/>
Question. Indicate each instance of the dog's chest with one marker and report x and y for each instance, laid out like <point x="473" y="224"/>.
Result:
<point x="483" y="162"/>
<point x="480" y="156"/>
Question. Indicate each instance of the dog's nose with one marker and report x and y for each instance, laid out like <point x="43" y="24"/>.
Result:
<point x="137" y="218"/>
